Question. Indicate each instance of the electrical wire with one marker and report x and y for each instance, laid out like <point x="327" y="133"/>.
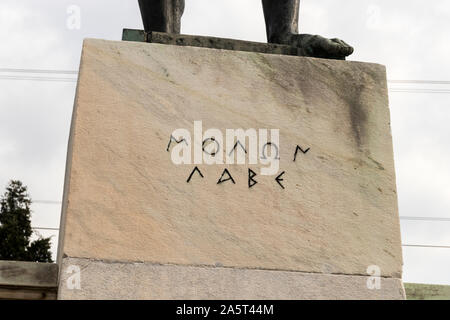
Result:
<point x="14" y="70"/>
<point x="425" y="246"/>
<point x="425" y="219"/>
<point x="48" y="229"/>
<point x="47" y="202"/>
<point x="31" y="78"/>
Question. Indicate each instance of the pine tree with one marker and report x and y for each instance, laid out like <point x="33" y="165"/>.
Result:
<point x="15" y="228"/>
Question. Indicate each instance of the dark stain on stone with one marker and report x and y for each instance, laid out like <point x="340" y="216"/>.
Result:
<point x="351" y="89"/>
<point x="379" y="165"/>
<point x="166" y="72"/>
<point x="389" y="253"/>
<point x="358" y="116"/>
<point x="264" y="66"/>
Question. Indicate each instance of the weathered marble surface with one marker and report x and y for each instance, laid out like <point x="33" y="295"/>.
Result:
<point x="125" y="200"/>
<point x="133" y="281"/>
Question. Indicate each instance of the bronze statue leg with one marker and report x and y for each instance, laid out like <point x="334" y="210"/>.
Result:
<point x="162" y="15"/>
<point x="281" y="19"/>
<point x="282" y="27"/>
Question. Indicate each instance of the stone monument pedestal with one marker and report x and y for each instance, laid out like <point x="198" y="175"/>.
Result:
<point x="135" y="225"/>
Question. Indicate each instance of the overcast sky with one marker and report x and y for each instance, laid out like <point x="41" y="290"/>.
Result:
<point x="410" y="37"/>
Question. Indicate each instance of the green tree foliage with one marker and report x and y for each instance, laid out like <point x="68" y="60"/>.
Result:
<point x="15" y="228"/>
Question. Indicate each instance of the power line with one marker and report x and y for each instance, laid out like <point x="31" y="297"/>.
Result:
<point x="15" y="70"/>
<point x="419" y="81"/>
<point x="419" y="90"/>
<point x="74" y="80"/>
<point x="411" y="218"/>
<point x="31" y="78"/>
<point x="75" y="72"/>
<point x="425" y="246"/>
<point x="425" y="218"/>
<point x="46" y="202"/>
<point x="39" y="75"/>
<point x="407" y="218"/>
<point x="403" y="245"/>
<point x="48" y="229"/>
<point x="51" y="71"/>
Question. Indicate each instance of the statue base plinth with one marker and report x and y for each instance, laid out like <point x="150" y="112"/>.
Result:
<point x="134" y="226"/>
<point x="209" y="42"/>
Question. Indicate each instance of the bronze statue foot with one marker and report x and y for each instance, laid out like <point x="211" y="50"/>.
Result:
<point x="319" y="47"/>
